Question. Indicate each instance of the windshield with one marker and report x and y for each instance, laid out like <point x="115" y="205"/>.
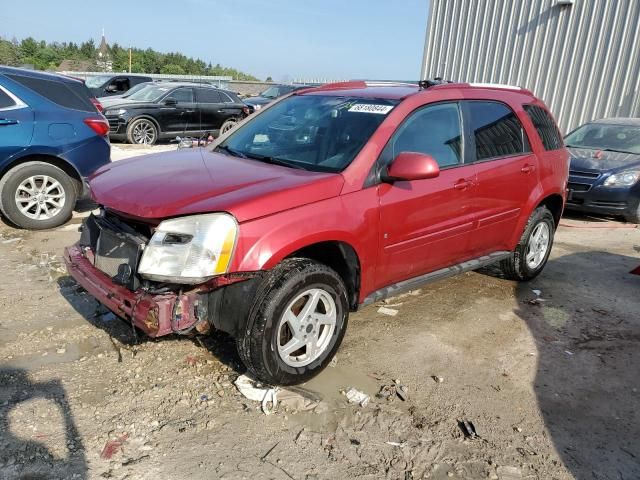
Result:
<point x="602" y="136"/>
<point x="313" y="132"/>
<point x="95" y="82"/>
<point x="150" y="93"/>
<point x="134" y="89"/>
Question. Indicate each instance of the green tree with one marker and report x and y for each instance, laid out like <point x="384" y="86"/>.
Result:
<point x="172" y="69"/>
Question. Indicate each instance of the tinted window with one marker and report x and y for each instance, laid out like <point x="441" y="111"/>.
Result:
<point x="226" y="98"/>
<point x="234" y="98"/>
<point x="208" y="95"/>
<point x="545" y="126"/>
<point x="496" y="130"/>
<point x="5" y="100"/>
<point x="121" y="84"/>
<point x="182" y="95"/>
<point x="434" y="130"/>
<point x="72" y="95"/>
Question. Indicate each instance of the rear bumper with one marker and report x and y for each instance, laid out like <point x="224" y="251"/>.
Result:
<point x="155" y="315"/>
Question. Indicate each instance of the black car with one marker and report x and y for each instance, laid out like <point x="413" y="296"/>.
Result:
<point x="107" y="85"/>
<point x="604" y="176"/>
<point x="270" y="94"/>
<point x="168" y="109"/>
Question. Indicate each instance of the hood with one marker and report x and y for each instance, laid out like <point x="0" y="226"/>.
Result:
<point x="602" y="161"/>
<point x="258" y="100"/>
<point x="127" y="103"/>
<point x="190" y="181"/>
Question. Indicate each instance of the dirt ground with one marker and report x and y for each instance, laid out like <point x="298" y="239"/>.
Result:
<point x="549" y="381"/>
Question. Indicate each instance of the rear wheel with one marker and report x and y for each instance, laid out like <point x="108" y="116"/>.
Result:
<point x="531" y="255"/>
<point x="142" y="132"/>
<point x="296" y="323"/>
<point x="228" y="125"/>
<point x="37" y="195"/>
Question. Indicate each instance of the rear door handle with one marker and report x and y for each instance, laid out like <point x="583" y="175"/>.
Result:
<point x="189" y="111"/>
<point x="462" y="184"/>
<point x="527" y="168"/>
<point x="7" y="121"/>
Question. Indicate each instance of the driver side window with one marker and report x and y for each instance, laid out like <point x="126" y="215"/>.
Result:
<point x="434" y="130"/>
<point x="182" y="95"/>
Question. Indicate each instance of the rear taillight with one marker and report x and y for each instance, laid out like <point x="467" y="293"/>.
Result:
<point x="97" y="104"/>
<point x="98" y="125"/>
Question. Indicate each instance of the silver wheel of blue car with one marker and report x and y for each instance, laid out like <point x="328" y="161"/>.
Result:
<point x="40" y="197"/>
<point x="37" y="195"/>
<point x="142" y="132"/>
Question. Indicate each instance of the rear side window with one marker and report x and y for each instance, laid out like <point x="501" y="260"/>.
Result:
<point x="73" y="95"/>
<point x="208" y="95"/>
<point x="5" y="100"/>
<point x="545" y="126"/>
<point x="496" y="130"/>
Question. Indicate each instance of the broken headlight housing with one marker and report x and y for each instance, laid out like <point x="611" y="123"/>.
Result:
<point x="622" y="179"/>
<point x="190" y="249"/>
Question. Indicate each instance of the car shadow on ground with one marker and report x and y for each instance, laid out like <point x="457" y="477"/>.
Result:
<point x="588" y="360"/>
<point x="122" y="333"/>
<point x="29" y="458"/>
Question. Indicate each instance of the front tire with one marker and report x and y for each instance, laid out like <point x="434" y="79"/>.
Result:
<point x="37" y="196"/>
<point x="531" y="255"/>
<point x="142" y="131"/>
<point x="296" y="324"/>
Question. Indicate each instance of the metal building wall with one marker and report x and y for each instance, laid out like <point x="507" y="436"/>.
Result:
<point x="582" y="59"/>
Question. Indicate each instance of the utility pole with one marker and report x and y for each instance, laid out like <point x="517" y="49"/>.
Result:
<point x="129" y="58"/>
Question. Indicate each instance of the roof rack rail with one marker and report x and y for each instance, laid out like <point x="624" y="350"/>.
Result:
<point x="428" y="83"/>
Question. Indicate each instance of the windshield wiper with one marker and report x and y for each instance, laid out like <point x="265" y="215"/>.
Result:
<point x="230" y="151"/>
<point x="276" y="161"/>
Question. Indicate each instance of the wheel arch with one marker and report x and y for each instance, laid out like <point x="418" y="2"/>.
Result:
<point x="339" y="256"/>
<point x="555" y="204"/>
<point x="58" y="162"/>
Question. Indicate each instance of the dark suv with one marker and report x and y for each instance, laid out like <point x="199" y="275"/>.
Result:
<point x="166" y="109"/>
<point x="328" y="200"/>
<point x="269" y="95"/>
<point x="107" y="85"/>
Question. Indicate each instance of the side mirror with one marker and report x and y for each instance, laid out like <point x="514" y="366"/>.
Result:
<point x="172" y="102"/>
<point x="412" y="166"/>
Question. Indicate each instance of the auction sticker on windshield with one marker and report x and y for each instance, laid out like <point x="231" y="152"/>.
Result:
<point x="369" y="108"/>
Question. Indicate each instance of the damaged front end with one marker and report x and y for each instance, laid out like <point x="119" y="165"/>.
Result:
<point x="106" y="262"/>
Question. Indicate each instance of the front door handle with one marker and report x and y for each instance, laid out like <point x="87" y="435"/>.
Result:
<point x="527" y="168"/>
<point x="7" y="121"/>
<point x="189" y="111"/>
<point x="462" y="184"/>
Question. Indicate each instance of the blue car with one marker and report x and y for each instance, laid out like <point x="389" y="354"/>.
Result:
<point x="51" y="138"/>
<point x="604" y="176"/>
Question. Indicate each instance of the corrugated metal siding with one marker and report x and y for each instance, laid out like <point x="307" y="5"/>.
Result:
<point x="583" y="59"/>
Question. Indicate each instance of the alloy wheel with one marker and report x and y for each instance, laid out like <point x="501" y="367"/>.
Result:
<point x="538" y="245"/>
<point x="306" y="327"/>
<point x="144" y="133"/>
<point x="40" y="197"/>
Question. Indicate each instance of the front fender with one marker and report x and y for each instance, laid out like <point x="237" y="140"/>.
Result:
<point x="352" y="219"/>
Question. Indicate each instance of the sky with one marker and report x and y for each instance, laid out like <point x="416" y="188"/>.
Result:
<point x="284" y="39"/>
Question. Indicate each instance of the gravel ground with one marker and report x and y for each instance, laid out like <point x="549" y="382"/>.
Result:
<point x="549" y="381"/>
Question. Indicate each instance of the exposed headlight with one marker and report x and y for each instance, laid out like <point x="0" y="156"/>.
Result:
<point x="120" y="111"/>
<point x="257" y="107"/>
<point x="622" y="179"/>
<point x="190" y="249"/>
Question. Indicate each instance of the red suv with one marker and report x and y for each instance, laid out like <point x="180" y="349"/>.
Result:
<point x="326" y="200"/>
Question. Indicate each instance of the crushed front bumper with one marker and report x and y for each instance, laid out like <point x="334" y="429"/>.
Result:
<point x="156" y="315"/>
